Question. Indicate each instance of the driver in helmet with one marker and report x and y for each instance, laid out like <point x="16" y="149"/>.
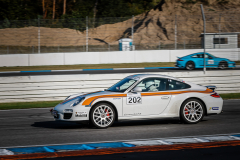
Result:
<point x="150" y="86"/>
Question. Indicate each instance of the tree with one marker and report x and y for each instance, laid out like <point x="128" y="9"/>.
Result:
<point x="64" y="6"/>
<point x="54" y="8"/>
<point x="95" y="12"/>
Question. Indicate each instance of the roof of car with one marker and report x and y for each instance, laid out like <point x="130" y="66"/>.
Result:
<point x="141" y="76"/>
<point x="195" y="54"/>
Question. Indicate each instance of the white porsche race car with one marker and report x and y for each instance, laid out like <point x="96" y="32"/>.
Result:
<point x="141" y="96"/>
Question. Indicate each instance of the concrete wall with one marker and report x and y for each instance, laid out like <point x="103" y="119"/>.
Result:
<point x="108" y="57"/>
<point x="55" y="87"/>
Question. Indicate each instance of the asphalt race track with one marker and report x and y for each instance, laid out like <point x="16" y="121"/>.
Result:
<point x="97" y="71"/>
<point x="33" y="127"/>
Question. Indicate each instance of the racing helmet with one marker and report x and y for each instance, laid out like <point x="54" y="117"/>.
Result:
<point x="149" y="83"/>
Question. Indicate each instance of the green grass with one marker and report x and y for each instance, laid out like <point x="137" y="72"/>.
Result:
<point x="46" y="104"/>
<point x="26" y="105"/>
<point x="230" y="96"/>
<point x="88" y="66"/>
<point x="237" y="62"/>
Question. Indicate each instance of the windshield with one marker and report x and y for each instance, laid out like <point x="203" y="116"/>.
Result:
<point x="122" y="85"/>
<point x="211" y="55"/>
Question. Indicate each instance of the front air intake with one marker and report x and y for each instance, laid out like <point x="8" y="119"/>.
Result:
<point x="67" y="115"/>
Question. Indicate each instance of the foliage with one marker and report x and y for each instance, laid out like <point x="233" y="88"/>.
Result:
<point x="19" y="9"/>
<point x="29" y="9"/>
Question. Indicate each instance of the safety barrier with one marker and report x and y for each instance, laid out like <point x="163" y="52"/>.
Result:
<point x="109" y="57"/>
<point x="55" y="87"/>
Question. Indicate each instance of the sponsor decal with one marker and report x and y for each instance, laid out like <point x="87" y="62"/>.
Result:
<point x="210" y="61"/>
<point x="81" y="114"/>
<point x="214" y="108"/>
<point x="117" y="98"/>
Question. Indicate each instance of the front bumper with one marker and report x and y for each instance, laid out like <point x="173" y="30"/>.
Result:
<point x="232" y="65"/>
<point x="77" y="114"/>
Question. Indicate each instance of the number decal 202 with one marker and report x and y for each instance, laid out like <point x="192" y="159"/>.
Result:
<point x="134" y="100"/>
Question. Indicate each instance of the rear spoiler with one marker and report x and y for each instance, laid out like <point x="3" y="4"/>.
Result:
<point x="211" y="87"/>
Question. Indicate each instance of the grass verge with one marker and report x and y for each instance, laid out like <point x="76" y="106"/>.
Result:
<point x="46" y="104"/>
<point x="230" y="96"/>
<point x="90" y="66"/>
<point x="26" y="105"/>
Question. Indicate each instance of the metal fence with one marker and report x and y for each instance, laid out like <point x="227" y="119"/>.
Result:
<point x="102" y="34"/>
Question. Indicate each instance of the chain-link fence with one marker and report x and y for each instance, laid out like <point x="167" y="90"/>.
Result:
<point x="103" y="34"/>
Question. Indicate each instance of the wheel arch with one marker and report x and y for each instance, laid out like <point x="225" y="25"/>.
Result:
<point x="194" y="63"/>
<point x="205" y="114"/>
<point x="223" y="61"/>
<point x="114" y="107"/>
<point x="190" y="61"/>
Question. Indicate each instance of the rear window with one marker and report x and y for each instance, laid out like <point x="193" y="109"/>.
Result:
<point x="176" y="85"/>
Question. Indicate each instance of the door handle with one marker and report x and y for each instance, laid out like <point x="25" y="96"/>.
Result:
<point x="165" y="97"/>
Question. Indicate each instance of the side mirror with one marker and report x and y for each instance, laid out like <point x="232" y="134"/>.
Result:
<point x="137" y="89"/>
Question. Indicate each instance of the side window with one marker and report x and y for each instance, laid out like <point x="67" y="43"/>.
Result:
<point x="195" y="56"/>
<point x="208" y="56"/>
<point x="176" y="85"/>
<point x="200" y="55"/>
<point x="153" y="84"/>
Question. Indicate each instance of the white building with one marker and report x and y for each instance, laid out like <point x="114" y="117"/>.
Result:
<point x="220" y="40"/>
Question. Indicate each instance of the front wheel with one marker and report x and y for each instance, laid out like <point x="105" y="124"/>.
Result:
<point x="102" y="115"/>
<point x="192" y="111"/>
<point x="190" y="65"/>
<point x="223" y="65"/>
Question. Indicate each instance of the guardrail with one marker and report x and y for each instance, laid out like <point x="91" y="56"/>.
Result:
<point x="55" y="87"/>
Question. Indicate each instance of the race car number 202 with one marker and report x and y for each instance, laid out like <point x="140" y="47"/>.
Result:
<point x="134" y="98"/>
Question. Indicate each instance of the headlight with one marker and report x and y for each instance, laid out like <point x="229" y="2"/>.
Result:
<point x="78" y="100"/>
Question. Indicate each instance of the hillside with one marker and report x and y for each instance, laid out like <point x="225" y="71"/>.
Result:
<point x="151" y="28"/>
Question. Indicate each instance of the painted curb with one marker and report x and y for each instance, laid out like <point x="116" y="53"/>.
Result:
<point x="103" y="69"/>
<point x="124" y="144"/>
<point x="124" y="150"/>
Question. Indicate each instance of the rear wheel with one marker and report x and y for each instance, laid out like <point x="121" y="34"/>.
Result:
<point x="223" y="65"/>
<point x="192" y="111"/>
<point x="190" y="65"/>
<point x="102" y="115"/>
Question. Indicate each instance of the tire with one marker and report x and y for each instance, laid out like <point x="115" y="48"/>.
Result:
<point x="102" y="115"/>
<point x="192" y="111"/>
<point x="190" y="65"/>
<point x="223" y="65"/>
